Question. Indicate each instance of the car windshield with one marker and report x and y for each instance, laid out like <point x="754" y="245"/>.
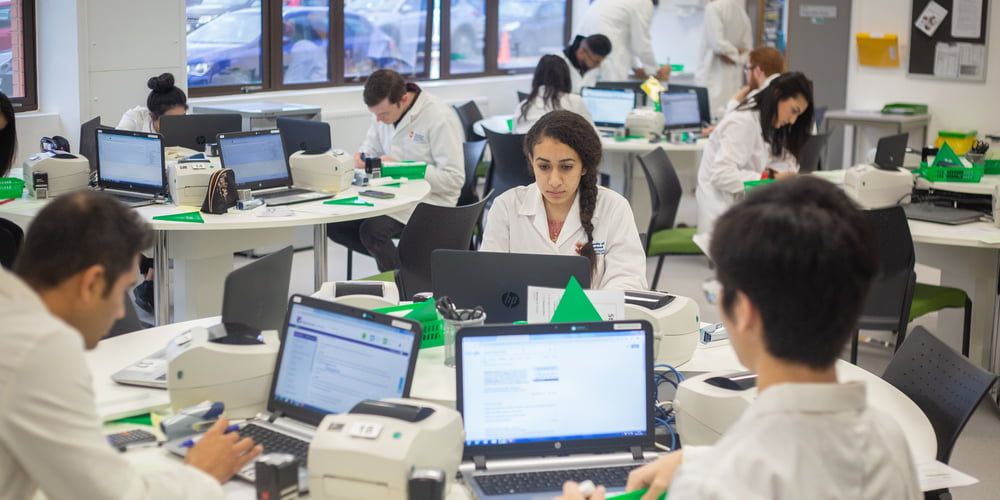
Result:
<point x="371" y="5"/>
<point x="233" y="28"/>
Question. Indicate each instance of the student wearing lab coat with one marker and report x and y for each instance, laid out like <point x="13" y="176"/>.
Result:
<point x="794" y="263"/>
<point x="565" y="212"/>
<point x="726" y="40"/>
<point x="584" y="56"/>
<point x="164" y="99"/>
<point x="757" y="140"/>
<point x="407" y="124"/>
<point x="550" y="90"/>
<point x="764" y="64"/>
<point x="626" y="23"/>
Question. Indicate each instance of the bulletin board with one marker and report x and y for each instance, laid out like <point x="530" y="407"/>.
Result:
<point x="949" y="39"/>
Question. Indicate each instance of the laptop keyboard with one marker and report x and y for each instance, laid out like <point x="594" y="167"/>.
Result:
<point x="552" y="480"/>
<point x="276" y="442"/>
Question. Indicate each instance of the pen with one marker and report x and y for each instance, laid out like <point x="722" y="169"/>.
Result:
<point x="191" y="442"/>
<point x="7" y="201"/>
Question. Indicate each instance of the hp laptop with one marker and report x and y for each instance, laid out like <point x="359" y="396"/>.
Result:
<point x="311" y="136"/>
<point x="130" y="166"/>
<point x="254" y="299"/>
<point x="704" y="107"/>
<point x="194" y="131"/>
<point x="332" y="357"/>
<point x="680" y="111"/>
<point x="501" y="280"/>
<point x="608" y="107"/>
<point x="526" y="393"/>
<point x="259" y="162"/>
<point x="890" y="150"/>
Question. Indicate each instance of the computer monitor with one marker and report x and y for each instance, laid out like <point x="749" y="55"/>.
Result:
<point x="194" y="131"/>
<point x="130" y="161"/>
<point x="88" y="140"/>
<point x="311" y="136"/>
<point x="704" y="105"/>
<point x="680" y="110"/>
<point x="634" y="85"/>
<point x="608" y="107"/>
<point x="257" y="158"/>
<point x="890" y="151"/>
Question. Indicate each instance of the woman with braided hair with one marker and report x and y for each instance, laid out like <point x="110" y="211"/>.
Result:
<point x="565" y="212"/>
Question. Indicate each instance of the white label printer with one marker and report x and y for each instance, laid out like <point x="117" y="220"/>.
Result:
<point x="675" y="323"/>
<point x="66" y="172"/>
<point x="329" y="172"/>
<point x="188" y="179"/>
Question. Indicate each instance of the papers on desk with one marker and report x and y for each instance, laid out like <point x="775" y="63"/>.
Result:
<point x="933" y="475"/>
<point x="542" y="302"/>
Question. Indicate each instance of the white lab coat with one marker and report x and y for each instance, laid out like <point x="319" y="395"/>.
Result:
<point x="50" y="435"/>
<point x="799" y="441"/>
<point x="735" y="153"/>
<point x="579" y="81"/>
<point x="751" y="96"/>
<point x="727" y="31"/>
<point x="429" y="132"/>
<point x="137" y="119"/>
<point x="539" y="108"/>
<point x="626" y="23"/>
<point x="517" y="223"/>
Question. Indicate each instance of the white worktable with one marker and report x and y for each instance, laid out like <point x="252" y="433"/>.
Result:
<point x="202" y="254"/>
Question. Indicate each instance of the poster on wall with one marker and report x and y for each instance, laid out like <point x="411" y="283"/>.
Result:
<point x="949" y="39"/>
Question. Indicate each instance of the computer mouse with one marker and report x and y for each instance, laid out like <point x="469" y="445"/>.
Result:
<point x="724" y="383"/>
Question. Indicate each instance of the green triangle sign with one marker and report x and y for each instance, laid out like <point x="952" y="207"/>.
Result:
<point x="574" y="306"/>
<point x="185" y="217"/>
<point x="946" y="157"/>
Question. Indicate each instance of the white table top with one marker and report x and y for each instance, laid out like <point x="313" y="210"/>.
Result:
<point x="868" y="115"/>
<point x="303" y="214"/>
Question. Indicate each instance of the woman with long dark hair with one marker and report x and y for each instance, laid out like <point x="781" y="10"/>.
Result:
<point x="8" y="135"/>
<point x="565" y="212"/>
<point x="551" y="89"/>
<point x="762" y="138"/>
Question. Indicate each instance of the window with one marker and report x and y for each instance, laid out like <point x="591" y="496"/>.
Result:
<point x="528" y="30"/>
<point x="305" y="43"/>
<point x="385" y="34"/>
<point x="467" y="43"/>
<point x="224" y="44"/>
<point x="17" y="53"/>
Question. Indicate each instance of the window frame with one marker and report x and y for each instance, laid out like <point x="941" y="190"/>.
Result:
<point x="29" y="63"/>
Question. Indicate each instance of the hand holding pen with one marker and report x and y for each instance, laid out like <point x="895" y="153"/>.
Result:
<point x="221" y="453"/>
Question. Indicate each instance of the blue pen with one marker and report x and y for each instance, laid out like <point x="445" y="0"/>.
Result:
<point x="191" y="442"/>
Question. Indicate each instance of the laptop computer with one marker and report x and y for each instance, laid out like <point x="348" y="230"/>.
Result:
<point x="375" y="355"/>
<point x="890" y="150"/>
<point x="930" y="212"/>
<point x="609" y="108"/>
<point x="88" y="141"/>
<point x="704" y="106"/>
<point x="680" y="111"/>
<point x="634" y="85"/>
<point x="254" y="299"/>
<point x="501" y="280"/>
<point x="130" y="166"/>
<point x="311" y="136"/>
<point x="259" y="162"/>
<point x="526" y="393"/>
<point x="194" y="131"/>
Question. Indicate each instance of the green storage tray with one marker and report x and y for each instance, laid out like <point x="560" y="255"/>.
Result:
<point x="992" y="167"/>
<point x="426" y="314"/>
<point x="407" y="169"/>
<point x="749" y="185"/>
<point x="904" y="108"/>
<point x="10" y="187"/>
<point x="952" y="174"/>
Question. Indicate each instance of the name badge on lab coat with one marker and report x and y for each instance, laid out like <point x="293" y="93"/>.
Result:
<point x="600" y="248"/>
<point x="418" y="138"/>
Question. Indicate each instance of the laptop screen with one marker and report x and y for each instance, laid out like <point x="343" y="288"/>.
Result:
<point x="680" y="109"/>
<point x="536" y="388"/>
<point x="608" y="107"/>
<point x="332" y="360"/>
<point x="130" y="161"/>
<point x="257" y="159"/>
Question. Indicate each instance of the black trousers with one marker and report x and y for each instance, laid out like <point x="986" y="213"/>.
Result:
<point x="370" y="237"/>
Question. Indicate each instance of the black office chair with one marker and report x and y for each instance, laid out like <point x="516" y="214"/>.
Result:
<point x="819" y="114"/>
<point x="11" y="236"/>
<point x="473" y="152"/>
<point x="522" y="96"/>
<point x="129" y="323"/>
<point x="431" y="228"/>
<point x="665" y="196"/>
<point x="469" y="114"/>
<point x="510" y="167"/>
<point x="811" y="152"/>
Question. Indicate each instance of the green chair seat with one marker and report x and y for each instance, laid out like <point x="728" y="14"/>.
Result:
<point x="930" y="298"/>
<point x="389" y="276"/>
<point x="673" y="242"/>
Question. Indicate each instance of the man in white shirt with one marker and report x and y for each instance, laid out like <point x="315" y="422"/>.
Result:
<point x="794" y="261"/>
<point x="763" y="65"/>
<point x="626" y="23"/>
<point x="726" y="40"/>
<point x="408" y="124"/>
<point x="584" y="56"/>
<point x="78" y="261"/>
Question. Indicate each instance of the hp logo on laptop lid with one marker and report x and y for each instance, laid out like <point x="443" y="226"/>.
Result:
<point x="510" y="300"/>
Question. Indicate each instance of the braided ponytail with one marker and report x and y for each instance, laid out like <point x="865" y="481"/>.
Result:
<point x="576" y="132"/>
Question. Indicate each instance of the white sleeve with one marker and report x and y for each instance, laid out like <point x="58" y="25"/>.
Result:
<point x="52" y="427"/>
<point x="447" y="174"/>
<point x="715" y="36"/>
<point x="372" y="146"/>
<point x="736" y="140"/>
<point x="625" y="260"/>
<point x="496" y="234"/>
<point x="731" y="105"/>
<point x="642" y="45"/>
<point x="129" y="121"/>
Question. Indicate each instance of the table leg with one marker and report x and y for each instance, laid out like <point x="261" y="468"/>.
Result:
<point x="854" y="145"/>
<point x="629" y="169"/>
<point x="161" y="266"/>
<point x="319" y="255"/>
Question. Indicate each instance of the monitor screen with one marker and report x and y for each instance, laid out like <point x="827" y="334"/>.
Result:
<point x="257" y="159"/>
<point x="130" y="160"/>
<point x="535" y="387"/>
<point x="331" y="362"/>
<point x="680" y="109"/>
<point x="609" y="107"/>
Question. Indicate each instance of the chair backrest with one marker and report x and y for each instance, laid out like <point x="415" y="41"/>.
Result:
<point x="11" y="236"/>
<point x="941" y="381"/>
<point x="469" y="114"/>
<point x="887" y="307"/>
<point x="510" y="167"/>
<point x="664" y="190"/>
<point x="129" y="323"/>
<point x="811" y="152"/>
<point x="473" y="151"/>
<point x="820" y="115"/>
<point x="432" y="228"/>
<point x="522" y="96"/>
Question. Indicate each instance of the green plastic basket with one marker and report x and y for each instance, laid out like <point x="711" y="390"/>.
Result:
<point x="992" y="167"/>
<point x="426" y="314"/>
<point x="750" y="185"/>
<point x="952" y="174"/>
<point x="904" y="108"/>
<point x="409" y="170"/>
<point x="11" y="187"/>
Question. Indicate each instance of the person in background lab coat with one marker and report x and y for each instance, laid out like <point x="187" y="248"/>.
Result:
<point x="408" y="124"/>
<point x="164" y="99"/>
<point x="764" y="64"/>
<point x="805" y="435"/>
<point x="550" y="90"/>
<point x="752" y="142"/>
<point x="725" y="42"/>
<point x="626" y="23"/>
<point x="584" y="56"/>
<point x="565" y="212"/>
